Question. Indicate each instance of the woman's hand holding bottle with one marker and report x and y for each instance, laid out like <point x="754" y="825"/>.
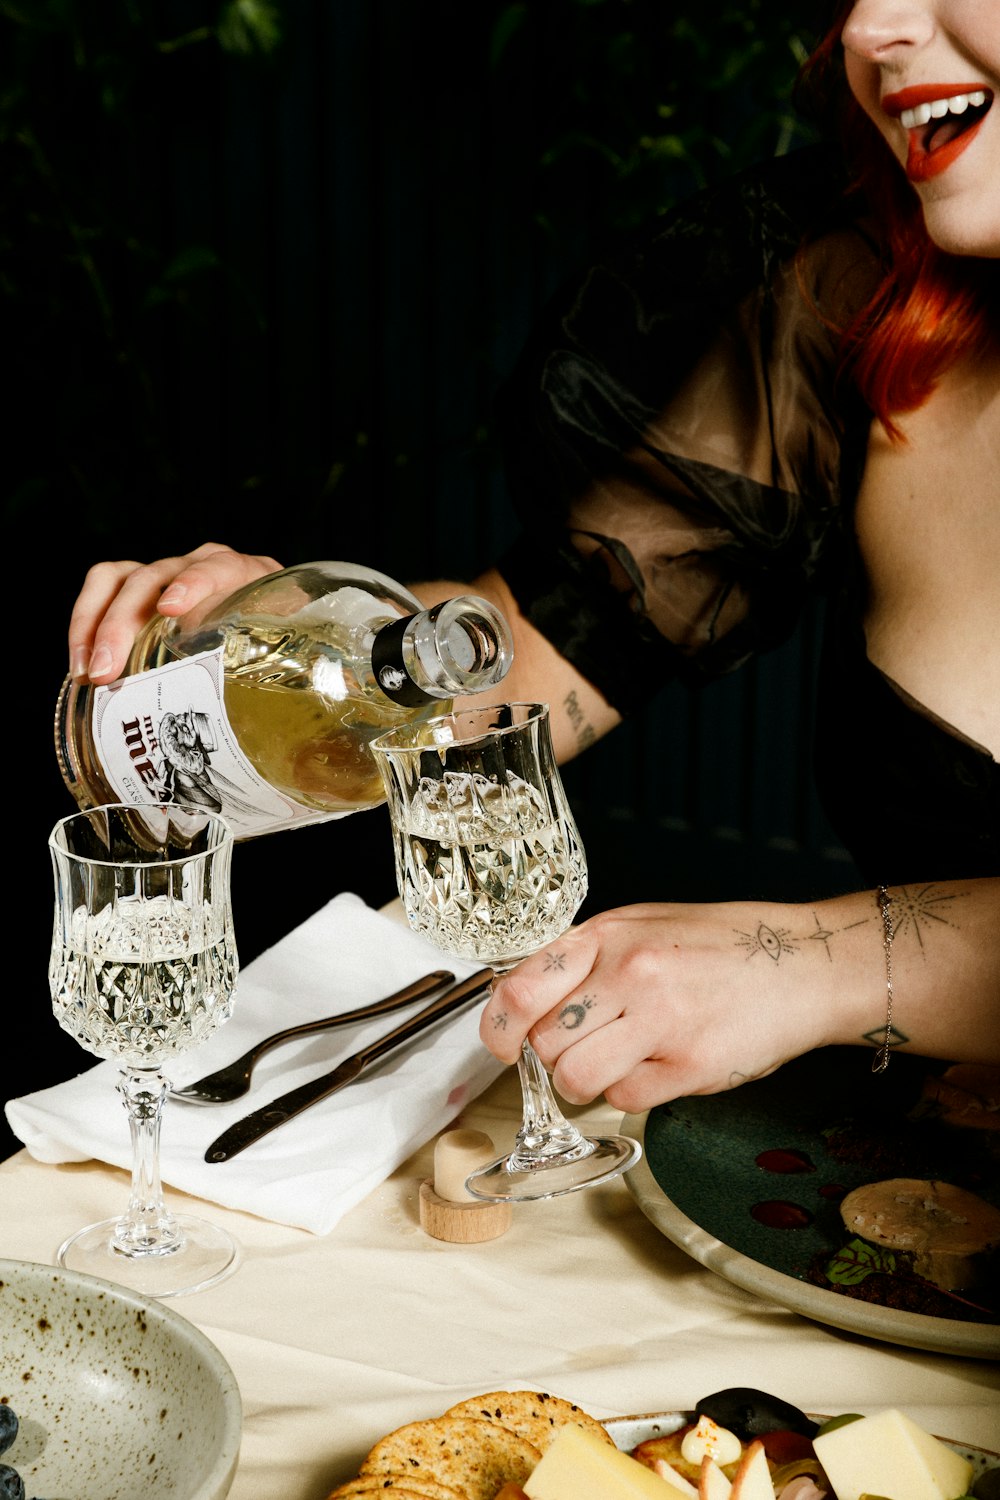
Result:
<point x="119" y="598"/>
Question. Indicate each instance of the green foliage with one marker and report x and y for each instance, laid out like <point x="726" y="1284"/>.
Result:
<point x="127" y="286"/>
<point x="651" y="100"/>
<point x="90" y="97"/>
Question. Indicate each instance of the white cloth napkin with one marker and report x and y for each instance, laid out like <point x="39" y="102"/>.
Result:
<point x="312" y="1169"/>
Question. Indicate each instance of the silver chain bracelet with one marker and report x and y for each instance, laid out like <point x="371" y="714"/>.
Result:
<point x="881" y="1061"/>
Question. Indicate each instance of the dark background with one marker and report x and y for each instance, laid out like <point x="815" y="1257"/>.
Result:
<point x="262" y="268"/>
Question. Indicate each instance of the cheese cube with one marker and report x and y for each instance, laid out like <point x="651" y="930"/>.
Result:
<point x="579" y="1466"/>
<point x="890" y="1455"/>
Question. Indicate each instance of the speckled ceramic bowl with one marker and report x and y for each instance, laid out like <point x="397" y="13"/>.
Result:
<point x="117" y="1396"/>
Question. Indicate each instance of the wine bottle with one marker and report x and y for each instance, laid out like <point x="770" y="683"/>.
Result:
<point x="262" y="704"/>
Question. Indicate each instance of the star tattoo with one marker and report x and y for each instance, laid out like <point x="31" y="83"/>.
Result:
<point x="824" y="934"/>
<point x="919" y="909"/>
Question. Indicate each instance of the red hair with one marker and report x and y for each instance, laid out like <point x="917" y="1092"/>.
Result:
<point x="929" y="307"/>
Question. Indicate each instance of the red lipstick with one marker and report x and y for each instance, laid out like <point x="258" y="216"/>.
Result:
<point x="926" y="93"/>
<point x="923" y="164"/>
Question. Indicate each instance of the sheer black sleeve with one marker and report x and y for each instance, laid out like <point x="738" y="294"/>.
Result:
<point x="677" y="445"/>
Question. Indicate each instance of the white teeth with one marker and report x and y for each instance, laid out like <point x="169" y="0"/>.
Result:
<point x="910" y="119"/>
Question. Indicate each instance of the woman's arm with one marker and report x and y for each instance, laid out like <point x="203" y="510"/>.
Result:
<point x="653" y="1002"/>
<point x="578" y="713"/>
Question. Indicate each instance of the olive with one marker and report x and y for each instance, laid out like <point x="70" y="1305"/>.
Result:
<point x="750" y="1413"/>
<point x="8" y="1426"/>
<point x="11" y="1483"/>
<point x="987" y="1486"/>
<point x="832" y="1423"/>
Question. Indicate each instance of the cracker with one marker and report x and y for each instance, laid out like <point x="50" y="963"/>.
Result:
<point x="472" y="1455"/>
<point x="366" y="1486"/>
<point x="536" y="1415"/>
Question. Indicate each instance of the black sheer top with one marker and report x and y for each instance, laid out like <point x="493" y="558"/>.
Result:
<point x="685" y="462"/>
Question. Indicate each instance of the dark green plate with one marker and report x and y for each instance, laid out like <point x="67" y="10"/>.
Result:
<point x="749" y="1183"/>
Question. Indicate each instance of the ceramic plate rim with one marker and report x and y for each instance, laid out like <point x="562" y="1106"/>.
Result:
<point x="218" y="1480"/>
<point x="892" y="1324"/>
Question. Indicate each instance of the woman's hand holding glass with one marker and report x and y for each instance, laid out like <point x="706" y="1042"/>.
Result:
<point x="489" y="865"/>
<point x="652" y="1002"/>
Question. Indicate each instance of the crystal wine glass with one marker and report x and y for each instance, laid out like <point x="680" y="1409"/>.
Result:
<point x="143" y="966"/>
<point x="490" y="866"/>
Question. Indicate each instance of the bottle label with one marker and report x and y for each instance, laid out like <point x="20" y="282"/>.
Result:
<point x="164" y="735"/>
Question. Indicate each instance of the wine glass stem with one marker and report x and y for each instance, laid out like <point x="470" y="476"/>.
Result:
<point x="544" y="1130"/>
<point x="147" y="1227"/>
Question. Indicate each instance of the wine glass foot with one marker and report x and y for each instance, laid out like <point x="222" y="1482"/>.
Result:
<point x="201" y="1255"/>
<point x="522" y="1178"/>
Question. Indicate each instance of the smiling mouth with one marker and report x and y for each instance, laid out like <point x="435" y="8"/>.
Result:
<point x="943" y="120"/>
<point x="940" y="122"/>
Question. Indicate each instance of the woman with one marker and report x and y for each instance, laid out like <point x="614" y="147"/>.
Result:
<point x="789" y="384"/>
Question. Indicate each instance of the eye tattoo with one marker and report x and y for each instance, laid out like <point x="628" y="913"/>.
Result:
<point x="772" y="941"/>
<point x="555" y="961"/>
<point x="572" y="1016"/>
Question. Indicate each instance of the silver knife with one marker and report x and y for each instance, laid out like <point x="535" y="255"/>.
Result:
<point x="262" y="1121"/>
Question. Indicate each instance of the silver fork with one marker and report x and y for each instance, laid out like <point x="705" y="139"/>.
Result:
<point x="233" y="1081"/>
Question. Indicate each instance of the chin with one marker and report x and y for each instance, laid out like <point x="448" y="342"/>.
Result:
<point x="961" y="235"/>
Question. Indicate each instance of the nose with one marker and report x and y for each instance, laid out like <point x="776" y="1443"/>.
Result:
<point x="875" y="28"/>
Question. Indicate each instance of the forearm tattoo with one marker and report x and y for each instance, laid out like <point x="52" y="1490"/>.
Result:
<point x="583" y="731"/>
<point x="917" y="911"/>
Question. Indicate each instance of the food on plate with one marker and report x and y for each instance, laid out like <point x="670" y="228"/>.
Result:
<point x="472" y="1455"/>
<point x="751" y="1413"/>
<point x="576" y="1465"/>
<point x="738" y="1444"/>
<point x="11" y="1483"/>
<point x="942" y="1134"/>
<point x="9" y="1425"/>
<point x="536" y="1415"/>
<point x="712" y="1462"/>
<point x="888" y="1454"/>
<point x="885" y="1456"/>
<point x="967" y="1095"/>
<point x="948" y="1232"/>
<point x="420" y="1488"/>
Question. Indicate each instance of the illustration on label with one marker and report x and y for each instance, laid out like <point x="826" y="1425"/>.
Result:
<point x="164" y="735"/>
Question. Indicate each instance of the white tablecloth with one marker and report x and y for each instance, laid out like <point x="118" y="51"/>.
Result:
<point x="324" y="1161"/>
<point x="337" y="1339"/>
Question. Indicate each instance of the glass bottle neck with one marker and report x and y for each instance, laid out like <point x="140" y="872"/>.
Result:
<point x="462" y="645"/>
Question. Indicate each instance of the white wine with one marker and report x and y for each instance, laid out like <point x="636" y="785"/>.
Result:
<point x="485" y="870"/>
<point x="138" y="984"/>
<point x="262" y="707"/>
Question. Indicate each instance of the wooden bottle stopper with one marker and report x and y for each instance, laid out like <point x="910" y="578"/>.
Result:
<point x="448" y="1211"/>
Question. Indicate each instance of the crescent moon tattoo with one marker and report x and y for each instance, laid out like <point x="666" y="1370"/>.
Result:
<point x="572" y="1016"/>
